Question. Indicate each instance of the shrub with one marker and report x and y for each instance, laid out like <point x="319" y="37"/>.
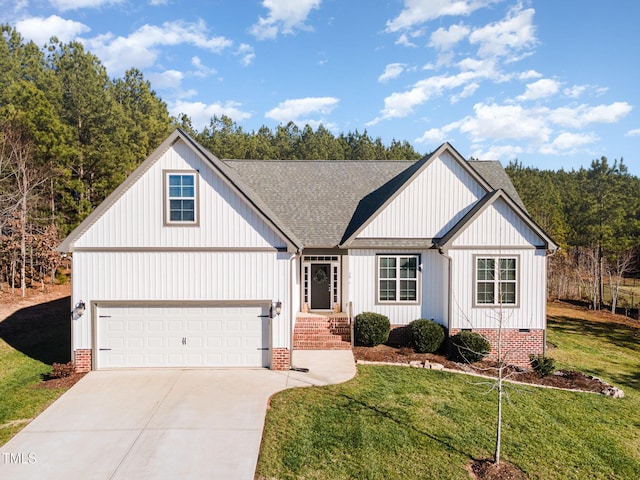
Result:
<point x="469" y="347"/>
<point x="542" y="365"/>
<point x="61" y="370"/>
<point x="426" y="335"/>
<point x="371" y="329"/>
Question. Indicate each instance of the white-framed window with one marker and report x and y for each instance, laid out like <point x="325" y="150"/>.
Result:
<point x="496" y="281"/>
<point x="181" y="198"/>
<point x="398" y="278"/>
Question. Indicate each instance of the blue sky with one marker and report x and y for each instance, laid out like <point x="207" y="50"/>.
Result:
<point x="551" y="83"/>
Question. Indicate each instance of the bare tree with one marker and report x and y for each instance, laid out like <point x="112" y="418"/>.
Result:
<point x="616" y="268"/>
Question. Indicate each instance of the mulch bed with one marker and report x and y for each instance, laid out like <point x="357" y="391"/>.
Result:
<point x="485" y="469"/>
<point x="566" y="379"/>
<point x="62" y="382"/>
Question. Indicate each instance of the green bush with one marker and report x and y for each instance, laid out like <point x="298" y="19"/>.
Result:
<point x="469" y="347"/>
<point x="426" y="335"/>
<point x="371" y="329"/>
<point x="542" y="365"/>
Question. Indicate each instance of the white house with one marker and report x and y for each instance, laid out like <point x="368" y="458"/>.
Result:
<point x="196" y="261"/>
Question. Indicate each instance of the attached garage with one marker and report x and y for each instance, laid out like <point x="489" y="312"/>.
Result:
<point x="179" y="335"/>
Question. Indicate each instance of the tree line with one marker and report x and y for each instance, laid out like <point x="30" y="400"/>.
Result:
<point x="594" y="215"/>
<point x="70" y="134"/>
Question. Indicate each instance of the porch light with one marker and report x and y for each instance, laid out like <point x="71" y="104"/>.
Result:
<point x="80" y="308"/>
<point x="277" y="308"/>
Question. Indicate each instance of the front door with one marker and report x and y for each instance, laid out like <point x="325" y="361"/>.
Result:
<point x="320" y="286"/>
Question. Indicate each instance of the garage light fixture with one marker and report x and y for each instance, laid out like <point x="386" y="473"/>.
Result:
<point x="276" y="308"/>
<point x="80" y="308"/>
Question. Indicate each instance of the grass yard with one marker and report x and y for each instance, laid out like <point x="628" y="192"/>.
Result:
<point x="31" y="339"/>
<point x="401" y="423"/>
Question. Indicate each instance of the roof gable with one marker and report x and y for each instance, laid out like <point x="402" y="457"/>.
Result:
<point x="407" y="182"/>
<point x="496" y="220"/>
<point x="180" y="140"/>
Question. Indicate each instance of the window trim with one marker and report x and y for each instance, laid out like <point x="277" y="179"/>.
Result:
<point x="166" y="199"/>
<point x="418" y="279"/>
<point x="496" y="280"/>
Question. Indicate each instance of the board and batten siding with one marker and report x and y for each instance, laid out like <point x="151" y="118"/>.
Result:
<point x="498" y="225"/>
<point x="136" y="218"/>
<point x="433" y="287"/>
<point x="419" y="210"/>
<point x="180" y="277"/>
<point x="531" y="309"/>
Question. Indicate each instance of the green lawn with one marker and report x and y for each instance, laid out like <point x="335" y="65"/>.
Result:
<point x="393" y="423"/>
<point x="30" y="341"/>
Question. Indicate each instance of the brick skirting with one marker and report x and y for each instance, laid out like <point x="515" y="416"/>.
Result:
<point x="517" y="344"/>
<point x="280" y="359"/>
<point x="82" y="360"/>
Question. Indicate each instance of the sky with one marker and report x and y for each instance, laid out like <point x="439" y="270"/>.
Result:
<point x="553" y="84"/>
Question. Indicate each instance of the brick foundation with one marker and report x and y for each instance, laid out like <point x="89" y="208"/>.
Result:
<point x="280" y="359"/>
<point x="82" y="360"/>
<point x="516" y="345"/>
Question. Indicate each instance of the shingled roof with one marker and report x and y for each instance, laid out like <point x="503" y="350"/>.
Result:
<point x="495" y="175"/>
<point x="319" y="200"/>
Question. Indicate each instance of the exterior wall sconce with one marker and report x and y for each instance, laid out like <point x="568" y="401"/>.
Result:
<point x="80" y="308"/>
<point x="276" y="309"/>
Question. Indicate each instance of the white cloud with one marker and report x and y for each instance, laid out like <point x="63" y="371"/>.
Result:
<point x="64" y="5"/>
<point x="246" y="54"/>
<point x="502" y="122"/>
<point x="404" y="41"/>
<point x="543" y="88"/>
<point x="201" y="69"/>
<point x="169" y="79"/>
<point x="529" y="75"/>
<point x="284" y="17"/>
<point x="504" y="38"/>
<point x="633" y="133"/>
<point x="575" y="91"/>
<point x="201" y="113"/>
<point x="504" y="153"/>
<point x="444" y="39"/>
<point x="293" y="109"/>
<point x="416" y="12"/>
<point x="391" y="71"/>
<point x="140" y="47"/>
<point x="40" y="29"/>
<point x="583" y="115"/>
<point x="466" y="92"/>
<point x="155" y="3"/>
<point x="568" y="143"/>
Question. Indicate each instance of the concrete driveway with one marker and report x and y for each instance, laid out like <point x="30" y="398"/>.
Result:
<point x="160" y="424"/>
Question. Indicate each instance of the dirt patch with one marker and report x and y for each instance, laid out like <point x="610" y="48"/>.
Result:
<point x="11" y="303"/>
<point x="485" y="469"/>
<point x="565" y="379"/>
<point x="561" y="309"/>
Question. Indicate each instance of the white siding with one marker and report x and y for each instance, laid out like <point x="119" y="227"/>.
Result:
<point x="531" y="310"/>
<point x="430" y="205"/>
<point x="434" y="287"/>
<point x="181" y="276"/>
<point x="498" y="225"/>
<point x="136" y="218"/>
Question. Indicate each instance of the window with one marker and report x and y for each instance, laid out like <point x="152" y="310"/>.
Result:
<point x="181" y="205"/>
<point x="496" y="280"/>
<point x="398" y="278"/>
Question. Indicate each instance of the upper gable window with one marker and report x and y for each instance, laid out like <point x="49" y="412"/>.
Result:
<point x="181" y="198"/>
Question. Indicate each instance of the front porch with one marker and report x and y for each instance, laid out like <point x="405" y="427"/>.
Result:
<point x="315" y="331"/>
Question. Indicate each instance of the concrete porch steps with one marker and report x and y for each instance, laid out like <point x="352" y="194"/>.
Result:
<point x="317" y="332"/>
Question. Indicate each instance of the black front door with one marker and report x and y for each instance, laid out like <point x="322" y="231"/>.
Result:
<point x="320" y="286"/>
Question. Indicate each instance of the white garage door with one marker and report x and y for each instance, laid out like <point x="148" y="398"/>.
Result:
<point x="192" y="336"/>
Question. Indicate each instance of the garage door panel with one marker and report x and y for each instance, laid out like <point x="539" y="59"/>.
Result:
<point x="149" y="336"/>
